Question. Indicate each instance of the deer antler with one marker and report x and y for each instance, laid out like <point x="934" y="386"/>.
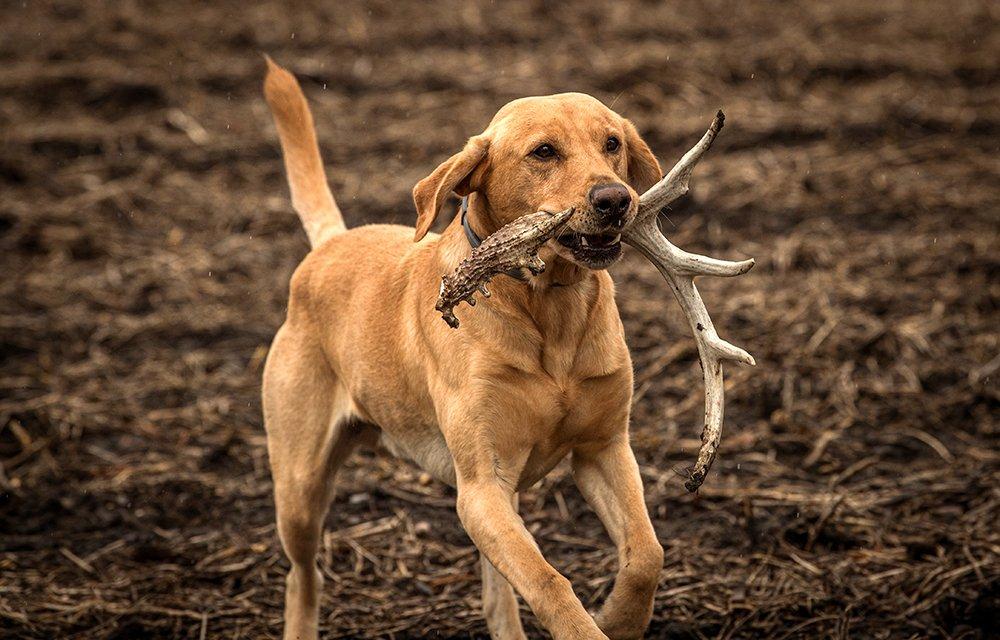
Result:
<point x="679" y="268"/>
<point x="513" y="246"/>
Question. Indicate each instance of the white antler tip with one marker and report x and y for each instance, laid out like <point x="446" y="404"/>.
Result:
<point x="727" y="351"/>
<point x="724" y="268"/>
<point x="741" y="356"/>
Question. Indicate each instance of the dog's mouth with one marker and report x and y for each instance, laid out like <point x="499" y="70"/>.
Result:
<point x="595" y="251"/>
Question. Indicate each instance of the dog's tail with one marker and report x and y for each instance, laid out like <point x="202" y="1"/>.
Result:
<point x="311" y="196"/>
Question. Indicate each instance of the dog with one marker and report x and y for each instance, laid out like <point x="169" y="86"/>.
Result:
<point x="538" y="372"/>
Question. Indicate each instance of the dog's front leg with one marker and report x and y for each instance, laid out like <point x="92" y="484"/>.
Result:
<point x="608" y="477"/>
<point x="487" y="513"/>
<point x="500" y="602"/>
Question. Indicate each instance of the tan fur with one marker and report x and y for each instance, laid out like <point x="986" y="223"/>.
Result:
<point x="311" y="195"/>
<point x="535" y="373"/>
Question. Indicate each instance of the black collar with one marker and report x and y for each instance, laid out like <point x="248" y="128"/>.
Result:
<point x="475" y="240"/>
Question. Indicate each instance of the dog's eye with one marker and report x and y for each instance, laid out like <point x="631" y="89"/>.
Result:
<point x="544" y="151"/>
<point x="612" y="145"/>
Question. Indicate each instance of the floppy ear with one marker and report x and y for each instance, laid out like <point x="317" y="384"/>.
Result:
<point x="454" y="174"/>
<point x="643" y="169"/>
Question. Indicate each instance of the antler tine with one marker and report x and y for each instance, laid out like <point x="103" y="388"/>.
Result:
<point x="675" y="183"/>
<point x="679" y="268"/>
<point x="684" y="262"/>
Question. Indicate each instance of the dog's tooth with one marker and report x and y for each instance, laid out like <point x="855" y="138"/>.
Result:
<point x="483" y="290"/>
<point x="583" y="241"/>
<point x="617" y="238"/>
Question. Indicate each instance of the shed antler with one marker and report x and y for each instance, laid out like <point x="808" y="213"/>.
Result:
<point x="679" y="268"/>
<point x="513" y="246"/>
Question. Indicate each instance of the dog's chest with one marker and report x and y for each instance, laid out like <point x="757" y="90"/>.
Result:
<point x="565" y="398"/>
<point x="587" y="406"/>
<point x="557" y="414"/>
<point x="536" y="415"/>
<point x="573" y="387"/>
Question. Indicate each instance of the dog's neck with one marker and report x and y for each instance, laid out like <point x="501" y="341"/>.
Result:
<point x="483" y="221"/>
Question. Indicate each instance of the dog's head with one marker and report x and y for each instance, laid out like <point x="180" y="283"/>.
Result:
<point x="550" y="153"/>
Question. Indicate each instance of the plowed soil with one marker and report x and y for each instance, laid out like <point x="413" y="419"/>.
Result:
<point x="147" y="241"/>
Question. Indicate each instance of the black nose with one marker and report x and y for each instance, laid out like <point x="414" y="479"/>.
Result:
<point x="610" y="202"/>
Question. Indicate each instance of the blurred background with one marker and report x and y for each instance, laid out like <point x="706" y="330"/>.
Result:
<point x="147" y="241"/>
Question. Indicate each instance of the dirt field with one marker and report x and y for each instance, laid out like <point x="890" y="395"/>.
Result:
<point x="147" y="241"/>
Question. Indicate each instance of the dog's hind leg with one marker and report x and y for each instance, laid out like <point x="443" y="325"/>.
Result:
<point x="503" y="618"/>
<point x="310" y="433"/>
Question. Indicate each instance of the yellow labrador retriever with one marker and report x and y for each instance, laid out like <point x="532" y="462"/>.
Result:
<point x="538" y="372"/>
